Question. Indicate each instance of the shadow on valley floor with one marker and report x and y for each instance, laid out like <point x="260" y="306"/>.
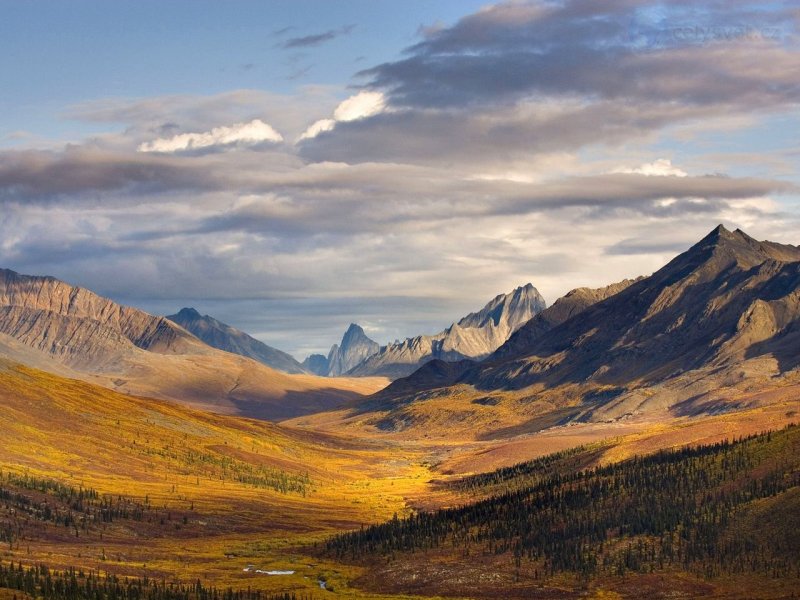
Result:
<point x="295" y="404"/>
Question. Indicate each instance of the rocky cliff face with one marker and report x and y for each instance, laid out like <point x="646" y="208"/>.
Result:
<point x="354" y="348"/>
<point x="224" y="337"/>
<point x="474" y="337"/>
<point x="80" y="328"/>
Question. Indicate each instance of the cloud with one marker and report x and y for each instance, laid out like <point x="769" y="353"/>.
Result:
<point x="316" y="39"/>
<point x="661" y="167"/>
<point x="241" y="134"/>
<point x="519" y="49"/>
<point x="363" y="105"/>
<point x="522" y="78"/>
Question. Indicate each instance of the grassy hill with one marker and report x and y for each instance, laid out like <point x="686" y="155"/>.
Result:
<point x="718" y="519"/>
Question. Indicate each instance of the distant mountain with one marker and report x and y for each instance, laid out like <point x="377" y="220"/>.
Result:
<point x="715" y="330"/>
<point x="71" y="331"/>
<point x="566" y="307"/>
<point x="224" y="337"/>
<point x="354" y="348"/>
<point x="474" y="337"/>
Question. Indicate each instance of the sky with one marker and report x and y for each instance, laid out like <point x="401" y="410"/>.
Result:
<point x="290" y="167"/>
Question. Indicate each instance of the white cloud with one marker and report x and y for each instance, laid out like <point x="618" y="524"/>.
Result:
<point x="362" y="105"/>
<point x="247" y="134"/>
<point x="316" y="128"/>
<point x="661" y="167"/>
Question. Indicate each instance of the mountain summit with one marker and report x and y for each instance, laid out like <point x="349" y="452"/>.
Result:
<point x="727" y="299"/>
<point x="475" y="336"/>
<point x="224" y="337"/>
<point x="354" y="348"/>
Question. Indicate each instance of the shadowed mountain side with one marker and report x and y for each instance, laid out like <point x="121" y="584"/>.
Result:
<point x="473" y="337"/>
<point x="224" y="337"/>
<point x="707" y="307"/>
<point x="71" y="331"/>
<point x="433" y="374"/>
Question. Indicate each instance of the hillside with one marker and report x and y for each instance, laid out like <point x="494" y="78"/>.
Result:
<point x="224" y="337"/>
<point x="81" y="329"/>
<point x="70" y="330"/>
<point x="718" y="520"/>
<point x="473" y="337"/>
<point x="143" y="488"/>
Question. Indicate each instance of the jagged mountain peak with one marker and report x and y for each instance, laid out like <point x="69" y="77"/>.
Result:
<point x="354" y="348"/>
<point x="354" y="334"/>
<point x="736" y="245"/>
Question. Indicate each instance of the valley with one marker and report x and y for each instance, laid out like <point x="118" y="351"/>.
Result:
<point x="493" y="478"/>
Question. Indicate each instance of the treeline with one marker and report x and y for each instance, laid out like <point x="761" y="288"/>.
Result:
<point x="41" y="582"/>
<point x="529" y="473"/>
<point x="673" y="509"/>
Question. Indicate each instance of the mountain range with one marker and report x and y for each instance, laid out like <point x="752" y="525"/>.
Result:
<point x="613" y="411"/>
<point x="72" y="331"/>
<point x="475" y="336"/>
<point x="701" y="335"/>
